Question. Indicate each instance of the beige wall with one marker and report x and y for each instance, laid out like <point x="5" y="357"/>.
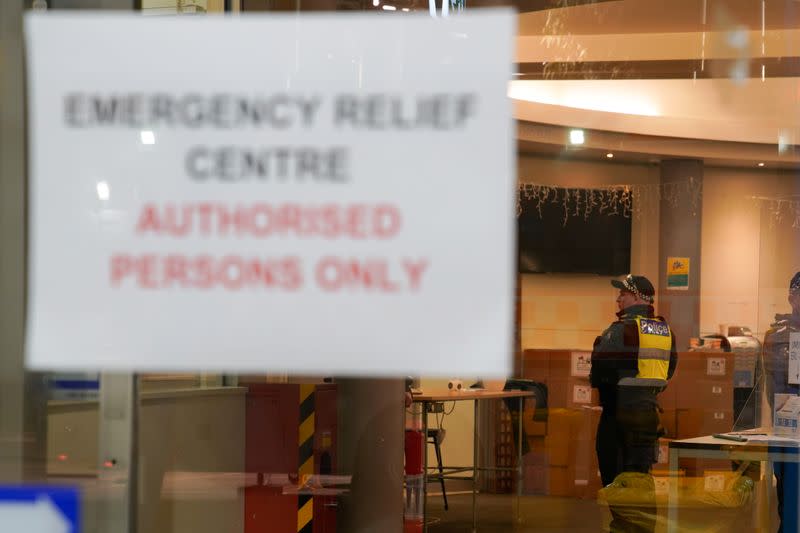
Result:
<point x="458" y="444"/>
<point x="569" y="310"/>
<point x="748" y="256"/>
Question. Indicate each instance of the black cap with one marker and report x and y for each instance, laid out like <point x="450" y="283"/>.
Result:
<point x="640" y="286"/>
<point x="794" y="285"/>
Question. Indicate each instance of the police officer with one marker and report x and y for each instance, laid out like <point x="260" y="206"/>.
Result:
<point x="776" y="367"/>
<point x="631" y="363"/>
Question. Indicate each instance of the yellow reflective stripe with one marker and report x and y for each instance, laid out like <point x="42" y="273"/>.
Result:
<point x="306" y="429"/>
<point x="305" y="514"/>
<point x="307" y="468"/>
<point x="653" y="369"/>
<point x="306" y="390"/>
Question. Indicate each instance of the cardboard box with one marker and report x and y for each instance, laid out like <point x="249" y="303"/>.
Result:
<point x="563" y="426"/>
<point x="690" y="364"/>
<point x="699" y="422"/>
<point x="537" y="444"/>
<point x="571" y="393"/>
<point x="560" y="481"/>
<point x="586" y="489"/>
<point x="558" y="449"/>
<point x="535" y="458"/>
<point x="706" y="394"/>
<point x="533" y="429"/>
<point x="536" y="365"/>
<point x="535" y="480"/>
<point x="669" y="422"/>
<point x="560" y="363"/>
<point x="557" y="393"/>
<point x="700" y="467"/>
<point x="668" y="398"/>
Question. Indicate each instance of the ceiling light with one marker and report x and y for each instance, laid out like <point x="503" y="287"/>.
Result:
<point x="389" y="8"/>
<point x="761" y="164"/>
<point x="610" y="155"/>
<point x="406" y="9"/>
<point x="376" y="3"/>
<point x="148" y="137"/>
<point x="576" y="137"/>
<point x="103" y="191"/>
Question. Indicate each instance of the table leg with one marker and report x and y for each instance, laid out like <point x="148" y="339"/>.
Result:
<point x="672" y="500"/>
<point x="424" y="467"/>
<point x="474" y="466"/>
<point x="766" y="511"/>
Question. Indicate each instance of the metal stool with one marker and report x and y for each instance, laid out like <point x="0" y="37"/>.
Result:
<point x="436" y="440"/>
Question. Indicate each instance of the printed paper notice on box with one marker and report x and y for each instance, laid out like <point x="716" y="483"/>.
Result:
<point x="714" y="482"/>
<point x="581" y="364"/>
<point x="582" y="394"/>
<point x="715" y="366"/>
<point x="286" y="212"/>
<point x="678" y="273"/>
<point x="794" y="358"/>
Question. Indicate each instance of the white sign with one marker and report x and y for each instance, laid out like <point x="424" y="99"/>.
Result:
<point x="581" y="364"/>
<point x="715" y="366"/>
<point x="320" y="194"/>
<point x="714" y="482"/>
<point x="794" y="358"/>
<point x="582" y="394"/>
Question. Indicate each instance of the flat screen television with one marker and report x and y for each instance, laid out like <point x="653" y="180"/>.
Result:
<point x="585" y="241"/>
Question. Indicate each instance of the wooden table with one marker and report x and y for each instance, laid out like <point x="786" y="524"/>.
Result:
<point x="475" y="396"/>
<point x="709" y="447"/>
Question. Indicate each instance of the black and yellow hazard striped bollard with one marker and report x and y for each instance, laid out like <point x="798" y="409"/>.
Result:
<point x="305" y="442"/>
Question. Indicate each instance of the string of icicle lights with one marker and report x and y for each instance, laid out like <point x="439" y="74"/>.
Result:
<point x="625" y="200"/>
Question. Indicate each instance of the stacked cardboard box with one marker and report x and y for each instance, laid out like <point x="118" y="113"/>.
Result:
<point x="566" y="374"/>
<point x="703" y="388"/>
<point x="698" y="401"/>
<point x="562" y="461"/>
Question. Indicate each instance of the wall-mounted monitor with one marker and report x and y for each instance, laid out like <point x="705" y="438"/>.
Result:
<point x="578" y="240"/>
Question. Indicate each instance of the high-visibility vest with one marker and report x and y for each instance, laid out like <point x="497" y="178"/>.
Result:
<point x="655" y="345"/>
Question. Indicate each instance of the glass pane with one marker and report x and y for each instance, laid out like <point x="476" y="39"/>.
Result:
<point x="655" y="139"/>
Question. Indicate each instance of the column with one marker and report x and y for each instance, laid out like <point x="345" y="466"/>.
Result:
<point x="680" y="231"/>
<point x="371" y="443"/>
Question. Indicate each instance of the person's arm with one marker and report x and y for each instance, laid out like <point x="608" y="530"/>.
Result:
<point x="605" y="356"/>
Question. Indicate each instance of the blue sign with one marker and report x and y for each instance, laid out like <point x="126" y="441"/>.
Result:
<point x="74" y="386"/>
<point x="39" y="509"/>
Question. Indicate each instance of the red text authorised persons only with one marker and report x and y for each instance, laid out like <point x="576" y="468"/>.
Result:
<point x="260" y="220"/>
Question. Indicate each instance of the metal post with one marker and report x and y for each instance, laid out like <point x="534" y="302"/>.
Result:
<point x="23" y="397"/>
<point x="672" y="502"/>
<point x="118" y="455"/>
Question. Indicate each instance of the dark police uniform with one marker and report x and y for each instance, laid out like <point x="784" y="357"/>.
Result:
<point x="631" y="363"/>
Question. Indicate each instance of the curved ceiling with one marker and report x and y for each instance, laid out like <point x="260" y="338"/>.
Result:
<point x="697" y="69"/>
<point x="657" y="16"/>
